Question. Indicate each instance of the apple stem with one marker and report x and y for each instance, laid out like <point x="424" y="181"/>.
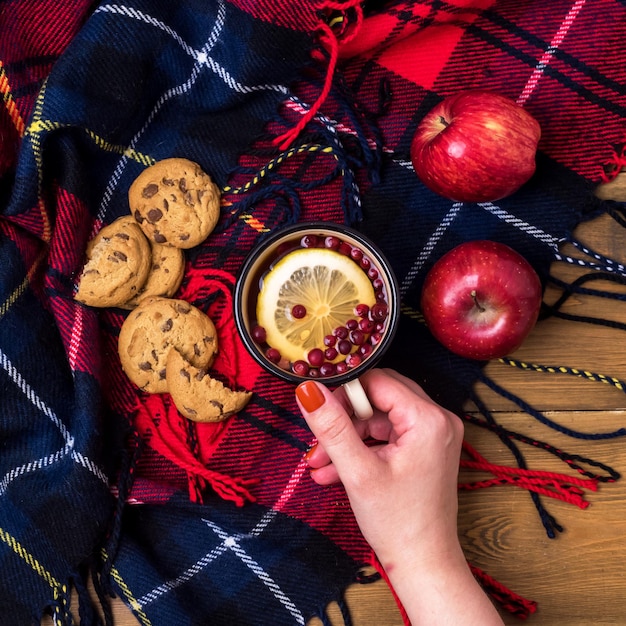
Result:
<point x="444" y="121"/>
<point x="479" y="306"/>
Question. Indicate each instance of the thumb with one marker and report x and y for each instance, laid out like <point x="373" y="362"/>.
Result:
<point x="331" y="425"/>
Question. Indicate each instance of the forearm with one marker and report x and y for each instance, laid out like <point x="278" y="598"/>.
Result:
<point x="442" y="593"/>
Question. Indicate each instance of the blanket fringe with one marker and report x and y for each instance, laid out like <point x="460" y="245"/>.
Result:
<point x="329" y="41"/>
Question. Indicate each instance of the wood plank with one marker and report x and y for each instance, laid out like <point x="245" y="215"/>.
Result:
<point x="578" y="577"/>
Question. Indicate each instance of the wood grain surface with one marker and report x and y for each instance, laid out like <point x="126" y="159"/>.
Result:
<point x="578" y="578"/>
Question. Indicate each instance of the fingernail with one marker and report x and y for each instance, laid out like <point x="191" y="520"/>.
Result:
<point x="310" y="452"/>
<point x="310" y="395"/>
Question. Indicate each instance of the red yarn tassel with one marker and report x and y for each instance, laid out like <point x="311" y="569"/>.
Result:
<point x="509" y="600"/>
<point x="555" y="485"/>
<point x="162" y="427"/>
<point x="330" y="42"/>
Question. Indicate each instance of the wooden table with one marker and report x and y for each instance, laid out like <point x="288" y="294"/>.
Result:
<point x="578" y="578"/>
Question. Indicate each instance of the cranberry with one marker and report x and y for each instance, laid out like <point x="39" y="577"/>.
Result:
<point x="378" y="284"/>
<point x="379" y="312"/>
<point x="352" y="324"/>
<point x="356" y="254"/>
<point x="327" y="369"/>
<point x="341" y="367"/>
<point x="315" y="357"/>
<point x="314" y="372"/>
<point x="376" y="338"/>
<point x="330" y="340"/>
<point x="372" y="273"/>
<point x="361" y="310"/>
<point x="344" y="346"/>
<point x="341" y="332"/>
<point x="345" y="248"/>
<point x="309" y="241"/>
<point x="366" y="325"/>
<point x="258" y="334"/>
<point x="332" y="243"/>
<point x="300" y="368"/>
<point x="298" y="311"/>
<point x="354" y="359"/>
<point x="366" y="349"/>
<point x="331" y="353"/>
<point x="357" y="337"/>
<point x="365" y="263"/>
<point x="273" y="355"/>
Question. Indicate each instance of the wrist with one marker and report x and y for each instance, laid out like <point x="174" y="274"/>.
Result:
<point x="440" y="589"/>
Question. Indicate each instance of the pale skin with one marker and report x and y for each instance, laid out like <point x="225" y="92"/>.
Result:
<point x="403" y="492"/>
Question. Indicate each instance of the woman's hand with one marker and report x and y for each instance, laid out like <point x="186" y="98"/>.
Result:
<point x="402" y="486"/>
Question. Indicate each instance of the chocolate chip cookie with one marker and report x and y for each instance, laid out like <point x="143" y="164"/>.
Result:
<point x="165" y="275"/>
<point x="153" y="329"/>
<point x="198" y="396"/>
<point x="118" y="263"/>
<point x="175" y="202"/>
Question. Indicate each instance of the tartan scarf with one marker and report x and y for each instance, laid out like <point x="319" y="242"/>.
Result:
<point x="299" y="110"/>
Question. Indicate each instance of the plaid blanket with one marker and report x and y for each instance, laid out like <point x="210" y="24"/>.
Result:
<point x="300" y="110"/>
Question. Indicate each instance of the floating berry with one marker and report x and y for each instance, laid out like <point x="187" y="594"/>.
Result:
<point x="361" y="310"/>
<point x="366" y="349"/>
<point x="366" y="325"/>
<point x="300" y="368"/>
<point x="354" y="359"/>
<point x="330" y="340"/>
<point x="332" y="243"/>
<point x="315" y="357"/>
<point x="344" y="248"/>
<point x="372" y="273"/>
<point x="379" y="312"/>
<point x="341" y="332"/>
<point x="327" y="369"/>
<point x="375" y="338"/>
<point x="298" y="311"/>
<point x="357" y="337"/>
<point x="331" y="354"/>
<point x="352" y="324"/>
<point x="344" y="346"/>
<point x="309" y="241"/>
<point x="258" y="334"/>
<point x="356" y="254"/>
<point x="341" y="367"/>
<point x="273" y="355"/>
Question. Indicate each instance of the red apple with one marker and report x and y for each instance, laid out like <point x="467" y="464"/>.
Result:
<point x="475" y="146"/>
<point x="481" y="299"/>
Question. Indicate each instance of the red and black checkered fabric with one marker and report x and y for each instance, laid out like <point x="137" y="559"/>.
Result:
<point x="300" y="110"/>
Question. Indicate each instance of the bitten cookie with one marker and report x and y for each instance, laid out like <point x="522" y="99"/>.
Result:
<point x="198" y="396"/>
<point x="153" y="329"/>
<point x="118" y="263"/>
<point x="175" y="202"/>
<point x="166" y="274"/>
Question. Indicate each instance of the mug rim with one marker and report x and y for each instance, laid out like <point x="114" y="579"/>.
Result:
<point x="241" y="286"/>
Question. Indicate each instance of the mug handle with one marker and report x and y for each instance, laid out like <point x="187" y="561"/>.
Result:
<point x="358" y="399"/>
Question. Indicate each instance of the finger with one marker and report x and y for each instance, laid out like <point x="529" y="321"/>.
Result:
<point x="403" y="400"/>
<point x="326" y="475"/>
<point x="332" y="426"/>
<point x="316" y="456"/>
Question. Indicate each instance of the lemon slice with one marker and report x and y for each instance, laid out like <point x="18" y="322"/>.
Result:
<point x="327" y="283"/>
